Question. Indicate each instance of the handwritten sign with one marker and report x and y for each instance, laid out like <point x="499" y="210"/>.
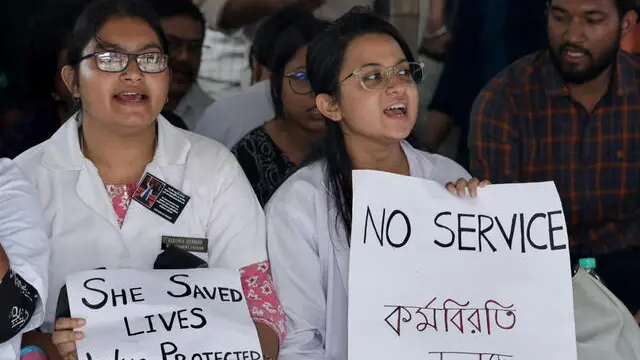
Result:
<point x="436" y="277"/>
<point x="196" y="314"/>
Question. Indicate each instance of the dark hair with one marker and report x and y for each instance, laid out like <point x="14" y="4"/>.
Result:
<point x="48" y="35"/>
<point x="170" y="8"/>
<point x="292" y="29"/>
<point x="623" y="6"/>
<point x="99" y="12"/>
<point x="272" y="29"/>
<point x="324" y="63"/>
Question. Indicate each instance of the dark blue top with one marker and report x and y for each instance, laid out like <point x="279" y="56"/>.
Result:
<point x="487" y="36"/>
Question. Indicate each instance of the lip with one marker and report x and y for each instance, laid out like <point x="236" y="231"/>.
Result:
<point x="131" y="90"/>
<point x="399" y="102"/>
<point x="572" y="55"/>
<point x="121" y="97"/>
<point x="315" y="114"/>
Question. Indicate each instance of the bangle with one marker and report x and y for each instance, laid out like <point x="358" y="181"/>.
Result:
<point x="441" y="31"/>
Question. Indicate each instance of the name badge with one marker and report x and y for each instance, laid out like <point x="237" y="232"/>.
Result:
<point x="161" y="198"/>
<point x="186" y="243"/>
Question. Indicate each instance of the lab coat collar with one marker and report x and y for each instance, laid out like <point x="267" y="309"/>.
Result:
<point x="63" y="152"/>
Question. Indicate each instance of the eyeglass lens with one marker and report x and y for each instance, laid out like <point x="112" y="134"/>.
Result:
<point x="376" y="77"/>
<point x="299" y="83"/>
<point x="147" y="62"/>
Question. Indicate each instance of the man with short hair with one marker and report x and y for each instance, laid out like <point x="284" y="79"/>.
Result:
<point x="569" y="114"/>
<point x="184" y="25"/>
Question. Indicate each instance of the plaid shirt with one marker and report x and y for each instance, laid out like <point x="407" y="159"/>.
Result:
<point x="525" y="127"/>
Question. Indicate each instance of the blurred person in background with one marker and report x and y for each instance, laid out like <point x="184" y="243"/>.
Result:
<point x="486" y="37"/>
<point x="184" y="25"/>
<point x="270" y="152"/>
<point x="232" y="25"/>
<point x="568" y="113"/>
<point x="232" y="116"/>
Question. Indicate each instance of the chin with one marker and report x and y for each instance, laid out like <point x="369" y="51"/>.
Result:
<point x="315" y="126"/>
<point x="136" y="120"/>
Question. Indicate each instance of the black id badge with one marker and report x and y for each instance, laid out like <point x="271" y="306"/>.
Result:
<point x="160" y="198"/>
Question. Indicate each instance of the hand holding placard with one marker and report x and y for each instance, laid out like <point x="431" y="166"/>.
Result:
<point x="436" y="276"/>
<point x="163" y="314"/>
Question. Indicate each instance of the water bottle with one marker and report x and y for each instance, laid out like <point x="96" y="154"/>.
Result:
<point x="589" y="265"/>
<point x="32" y="353"/>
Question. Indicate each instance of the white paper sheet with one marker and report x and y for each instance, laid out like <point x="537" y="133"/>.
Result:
<point x="196" y="314"/>
<point x="433" y="276"/>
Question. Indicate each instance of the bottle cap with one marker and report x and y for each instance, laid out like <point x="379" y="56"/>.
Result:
<point x="588" y="263"/>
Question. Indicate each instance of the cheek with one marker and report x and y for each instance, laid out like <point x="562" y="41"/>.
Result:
<point x="86" y="72"/>
<point x="96" y="87"/>
<point x="195" y="59"/>
<point x="296" y="104"/>
<point x="414" y="100"/>
<point x="359" y="107"/>
<point x="158" y="86"/>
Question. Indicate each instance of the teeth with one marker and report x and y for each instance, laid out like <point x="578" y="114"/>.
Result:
<point x="397" y="106"/>
<point x="130" y="94"/>
<point x="574" y="54"/>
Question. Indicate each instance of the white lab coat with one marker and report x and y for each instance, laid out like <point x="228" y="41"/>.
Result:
<point x="24" y="240"/>
<point x="310" y="256"/>
<point x="193" y="105"/>
<point x="232" y="117"/>
<point x="83" y="225"/>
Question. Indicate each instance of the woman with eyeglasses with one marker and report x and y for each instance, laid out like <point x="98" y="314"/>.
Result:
<point x="269" y="153"/>
<point x="93" y="173"/>
<point x="364" y="77"/>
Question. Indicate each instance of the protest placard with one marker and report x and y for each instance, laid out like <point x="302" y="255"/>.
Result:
<point x="195" y="314"/>
<point x="437" y="277"/>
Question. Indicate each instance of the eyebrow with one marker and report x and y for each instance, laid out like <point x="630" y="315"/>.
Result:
<point x="111" y="46"/>
<point x="378" y="64"/>
<point x="587" y="12"/>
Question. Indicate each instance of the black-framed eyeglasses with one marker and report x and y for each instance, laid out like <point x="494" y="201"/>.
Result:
<point x="299" y="83"/>
<point x="113" y="61"/>
<point x="374" y="77"/>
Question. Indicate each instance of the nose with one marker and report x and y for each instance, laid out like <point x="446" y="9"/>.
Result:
<point x="132" y="72"/>
<point x="181" y="53"/>
<point x="395" y="83"/>
<point x="574" y="33"/>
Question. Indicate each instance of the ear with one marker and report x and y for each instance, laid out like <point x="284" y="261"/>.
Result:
<point x="264" y="73"/>
<point x="69" y="78"/>
<point x="628" y="22"/>
<point x="328" y="107"/>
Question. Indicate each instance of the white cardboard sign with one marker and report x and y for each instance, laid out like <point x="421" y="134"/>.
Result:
<point x="436" y="277"/>
<point x="195" y="314"/>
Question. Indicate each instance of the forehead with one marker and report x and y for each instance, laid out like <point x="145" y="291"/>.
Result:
<point x="182" y="26"/>
<point x="129" y="34"/>
<point x="584" y="6"/>
<point x="372" y="49"/>
<point x="299" y="59"/>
